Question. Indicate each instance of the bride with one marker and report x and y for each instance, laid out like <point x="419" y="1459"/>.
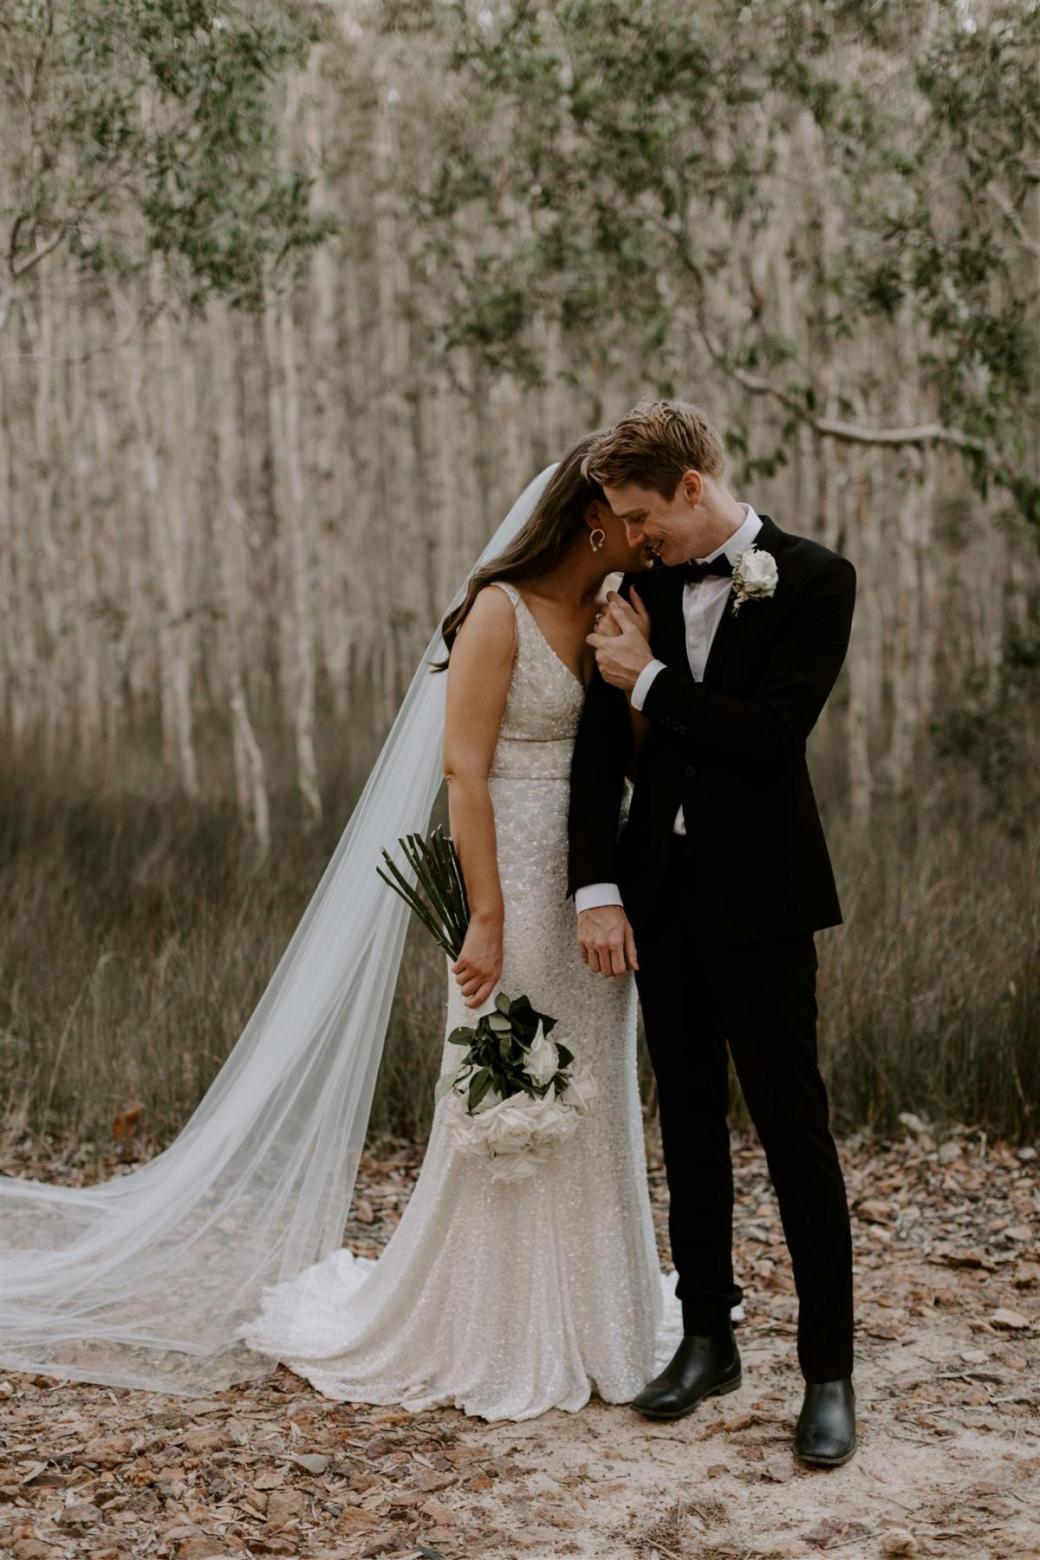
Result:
<point x="223" y="1254"/>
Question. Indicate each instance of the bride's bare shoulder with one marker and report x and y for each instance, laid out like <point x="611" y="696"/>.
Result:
<point x="489" y="627"/>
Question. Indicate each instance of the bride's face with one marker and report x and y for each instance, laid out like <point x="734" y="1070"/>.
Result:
<point x="617" y="555"/>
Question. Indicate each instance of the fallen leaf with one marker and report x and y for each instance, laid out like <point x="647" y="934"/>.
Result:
<point x="968" y="1259"/>
<point x="272" y="1480"/>
<point x="313" y="1462"/>
<point x="898" y="1543"/>
<point x="125" y="1124"/>
<point x="284" y="1506"/>
<point x="430" y="1481"/>
<point x="437" y="1512"/>
<point x="353" y="1520"/>
<point x="778" y="1469"/>
<point x="1012" y="1320"/>
<point x="833" y="1530"/>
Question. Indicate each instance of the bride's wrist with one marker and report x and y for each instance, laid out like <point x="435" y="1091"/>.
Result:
<point x="489" y="917"/>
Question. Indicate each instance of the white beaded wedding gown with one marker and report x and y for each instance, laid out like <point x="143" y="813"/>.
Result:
<point x="506" y="1299"/>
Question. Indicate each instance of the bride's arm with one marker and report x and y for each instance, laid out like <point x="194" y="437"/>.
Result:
<point x="478" y="681"/>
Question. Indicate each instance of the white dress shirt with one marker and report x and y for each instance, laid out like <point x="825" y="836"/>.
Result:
<point x="704" y="602"/>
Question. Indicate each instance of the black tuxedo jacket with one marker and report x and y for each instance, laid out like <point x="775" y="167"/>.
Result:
<point x="730" y="749"/>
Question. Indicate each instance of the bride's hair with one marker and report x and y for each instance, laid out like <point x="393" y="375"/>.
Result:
<point x="538" y="549"/>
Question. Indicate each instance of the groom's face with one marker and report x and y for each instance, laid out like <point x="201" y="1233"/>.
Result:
<point x="671" y="530"/>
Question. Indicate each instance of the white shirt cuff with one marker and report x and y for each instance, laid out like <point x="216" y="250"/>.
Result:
<point x="594" y="895"/>
<point x="643" y="681"/>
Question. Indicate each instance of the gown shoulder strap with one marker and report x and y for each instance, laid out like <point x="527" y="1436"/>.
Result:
<point x="510" y="590"/>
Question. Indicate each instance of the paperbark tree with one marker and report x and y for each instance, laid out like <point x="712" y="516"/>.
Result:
<point x="644" y="148"/>
<point x="133" y="127"/>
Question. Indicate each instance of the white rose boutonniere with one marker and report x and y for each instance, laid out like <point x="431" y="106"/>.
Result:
<point x="755" y="577"/>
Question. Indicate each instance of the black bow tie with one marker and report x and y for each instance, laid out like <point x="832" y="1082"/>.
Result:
<point x="694" y="571"/>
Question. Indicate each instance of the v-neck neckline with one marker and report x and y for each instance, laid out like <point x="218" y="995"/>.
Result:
<point x="548" y="645"/>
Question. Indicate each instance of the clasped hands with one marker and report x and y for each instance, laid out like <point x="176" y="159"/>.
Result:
<point x="621" y="640"/>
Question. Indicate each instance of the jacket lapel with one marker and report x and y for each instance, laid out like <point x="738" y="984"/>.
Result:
<point x="769" y="539"/>
<point x="670" y="632"/>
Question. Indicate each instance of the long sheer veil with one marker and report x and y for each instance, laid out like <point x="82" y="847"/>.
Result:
<point x="143" y="1280"/>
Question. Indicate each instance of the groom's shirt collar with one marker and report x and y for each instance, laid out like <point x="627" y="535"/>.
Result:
<point x="742" y="538"/>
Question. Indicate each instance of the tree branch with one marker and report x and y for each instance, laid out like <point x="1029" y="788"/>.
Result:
<point x="919" y="434"/>
<point x="1014" y="221"/>
<point x="851" y="433"/>
<point x="19" y="268"/>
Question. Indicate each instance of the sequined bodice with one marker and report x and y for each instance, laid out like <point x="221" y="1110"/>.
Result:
<point x="543" y="706"/>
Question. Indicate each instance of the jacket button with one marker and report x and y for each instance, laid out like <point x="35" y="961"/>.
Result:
<point x="690" y="771"/>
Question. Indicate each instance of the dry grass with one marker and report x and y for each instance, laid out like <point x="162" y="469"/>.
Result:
<point x="136" y="934"/>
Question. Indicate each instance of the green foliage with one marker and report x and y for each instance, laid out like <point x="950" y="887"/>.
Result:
<point x="135" y="127"/>
<point x="438" y="896"/>
<point x="613" y="165"/>
<point x="496" y="1055"/>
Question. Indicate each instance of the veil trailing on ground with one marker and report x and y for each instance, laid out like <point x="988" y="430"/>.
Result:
<point x="143" y="1280"/>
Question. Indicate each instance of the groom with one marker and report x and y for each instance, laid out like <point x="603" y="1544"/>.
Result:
<point x="727" y="651"/>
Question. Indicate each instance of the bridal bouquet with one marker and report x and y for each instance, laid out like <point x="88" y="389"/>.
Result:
<point x="515" y="1092"/>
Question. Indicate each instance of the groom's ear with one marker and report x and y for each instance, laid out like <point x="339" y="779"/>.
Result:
<point x="691" y="486"/>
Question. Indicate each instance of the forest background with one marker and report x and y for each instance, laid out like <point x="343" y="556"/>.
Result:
<point x="295" y="298"/>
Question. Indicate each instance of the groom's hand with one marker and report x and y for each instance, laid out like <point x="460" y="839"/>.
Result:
<point x="624" y="649"/>
<point x="606" y="940"/>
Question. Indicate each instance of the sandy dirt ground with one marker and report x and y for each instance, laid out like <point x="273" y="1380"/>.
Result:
<point x="948" y="1280"/>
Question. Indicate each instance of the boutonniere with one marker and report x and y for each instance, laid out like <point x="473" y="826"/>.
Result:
<point x="755" y="577"/>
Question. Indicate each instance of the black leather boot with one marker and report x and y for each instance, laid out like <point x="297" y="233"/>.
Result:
<point x="704" y="1365"/>
<point x="826" y="1433"/>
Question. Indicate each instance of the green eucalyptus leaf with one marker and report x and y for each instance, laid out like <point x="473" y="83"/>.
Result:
<point x="480" y="1083"/>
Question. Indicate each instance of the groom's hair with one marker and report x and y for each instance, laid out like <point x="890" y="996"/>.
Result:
<point x="653" y="445"/>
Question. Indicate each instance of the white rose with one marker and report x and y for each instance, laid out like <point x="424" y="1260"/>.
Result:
<point x="758" y="571"/>
<point x="464" y="1128"/>
<point x="582" y="1089"/>
<point x="506" y="1129"/>
<point x="550" y="1119"/>
<point x="543" y="1059"/>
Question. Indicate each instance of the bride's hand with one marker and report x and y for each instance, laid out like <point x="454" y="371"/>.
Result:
<point x="605" y="623"/>
<point x="479" y="964"/>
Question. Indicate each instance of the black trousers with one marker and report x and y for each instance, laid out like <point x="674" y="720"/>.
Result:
<point x="698" y="992"/>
